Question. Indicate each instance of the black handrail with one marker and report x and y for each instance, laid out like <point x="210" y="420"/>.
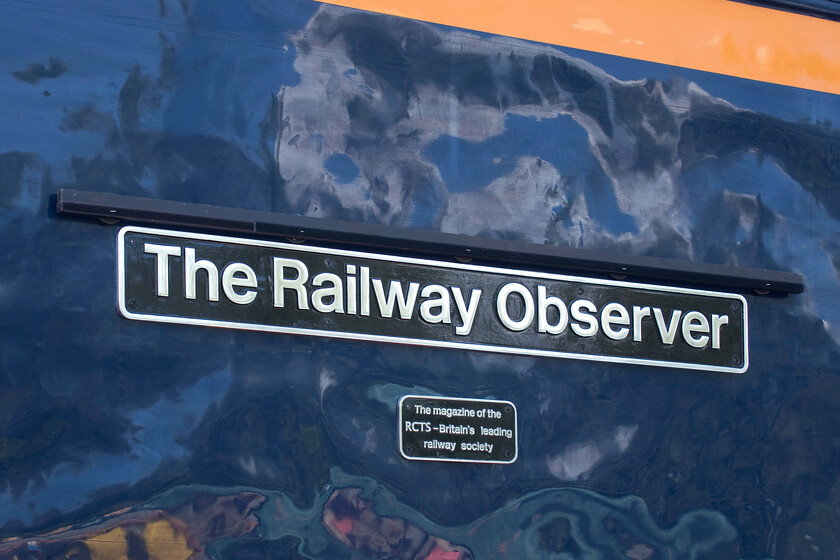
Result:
<point x="113" y="208"/>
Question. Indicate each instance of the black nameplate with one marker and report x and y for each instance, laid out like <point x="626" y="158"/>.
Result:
<point x="228" y="282"/>
<point x="469" y="430"/>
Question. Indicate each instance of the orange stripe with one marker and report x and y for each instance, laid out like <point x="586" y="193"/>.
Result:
<point x="713" y="35"/>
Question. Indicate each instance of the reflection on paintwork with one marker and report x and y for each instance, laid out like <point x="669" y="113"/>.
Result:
<point x="351" y="520"/>
<point x="298" y="107"/>
<point x="174" y="533"/>
<point x="722" y="37"/>
<point x="357" y="514"/>
<point x="577" y="460"/>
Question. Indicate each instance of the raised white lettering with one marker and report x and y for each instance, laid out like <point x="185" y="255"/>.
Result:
<point x="667" y="334"/>
<point x="281" y="283"/>
<point x="639" y="313"/>
<point x="191" y="268"/>
<point x="163" y="253"/>
<point x="441" y="303"/>
<point x="395" y="295"/>
<point x="543" y="304"/>
<point x="717" y="322"/>
<point x="695" y="322"/>
<point x="615" y="314"/>
<point x="364" y="290"/>
<point x="579" y="314"/>
<point x="466" y="310"/>
<point x="351" y="289"/>
<point x="333" y="293"/>
<point x="230" y="281"/>
<point x="528" y="303"/>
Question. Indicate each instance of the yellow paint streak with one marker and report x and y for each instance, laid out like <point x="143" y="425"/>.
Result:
<point x="165" y="542"/>
<point x="110" y="545"/>
<point x="713" y="35"/>
<point x="161" y="539"/>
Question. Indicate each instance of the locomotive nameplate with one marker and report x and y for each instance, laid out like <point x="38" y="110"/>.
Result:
<point x="220" y="281"/>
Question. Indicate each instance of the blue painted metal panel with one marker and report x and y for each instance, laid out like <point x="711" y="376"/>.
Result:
<point x="172" y="440"/>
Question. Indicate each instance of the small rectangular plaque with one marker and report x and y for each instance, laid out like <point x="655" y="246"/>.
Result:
<point x="217" y="281"/>
<point x="450" y="429"/>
